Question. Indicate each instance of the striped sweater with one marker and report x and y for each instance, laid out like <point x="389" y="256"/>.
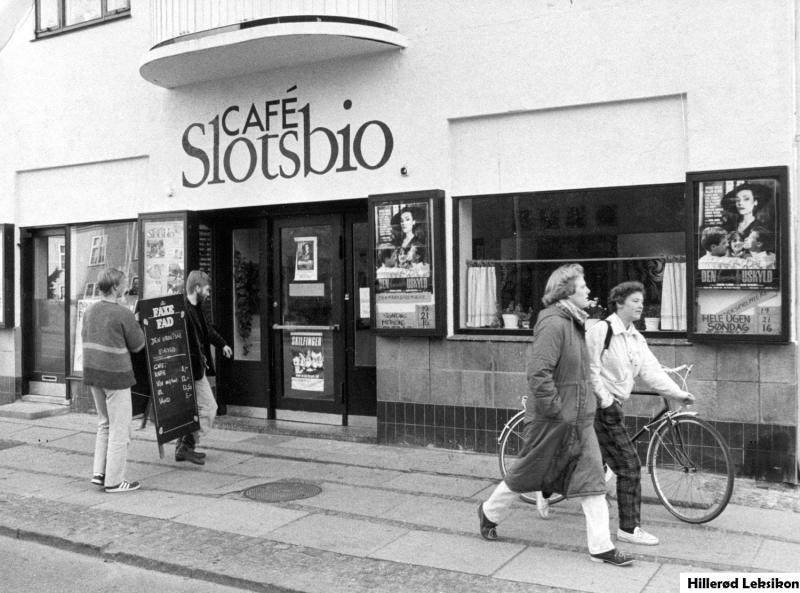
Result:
<point x="110" y="333"/>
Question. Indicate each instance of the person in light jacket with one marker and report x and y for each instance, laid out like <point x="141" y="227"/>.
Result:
<point x="560" y="403"/>
<point x="614" y="369"/>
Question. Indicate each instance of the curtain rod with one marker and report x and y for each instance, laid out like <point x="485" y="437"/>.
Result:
<point x="487" y="262"/>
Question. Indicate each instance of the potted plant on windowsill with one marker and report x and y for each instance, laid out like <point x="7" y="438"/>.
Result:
<point x="596" y="311"/>
<point x="510" y="316"/>
<point x="652" y="317"/>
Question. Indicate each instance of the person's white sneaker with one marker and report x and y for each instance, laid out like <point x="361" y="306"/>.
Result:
<point x="542" y="506"/>
<point x="639" y="536"/>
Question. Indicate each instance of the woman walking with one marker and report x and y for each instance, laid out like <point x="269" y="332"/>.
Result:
<point x="560" y="453"/>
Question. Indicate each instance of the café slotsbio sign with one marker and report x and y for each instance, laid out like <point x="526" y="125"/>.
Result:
<point x="278" y="138"/>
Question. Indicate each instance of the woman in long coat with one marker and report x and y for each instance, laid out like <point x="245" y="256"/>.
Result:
<point x="560" y="453"/>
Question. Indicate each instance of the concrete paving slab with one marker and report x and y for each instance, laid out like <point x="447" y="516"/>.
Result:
<point x="42" y="434"/>
<point x="774" y="556"/>
<point x="338" y="534"/>
<point x="697" y="544"/>
<point x="42" y="459"/>
<point x="576" y="571"/>
<point x="275" y="469"/>
<point x="441" y="485"/>
<point x="742" y="519"/>
<point x="152" y="503"/>
<point x="9" y="427"/>
<point x="356" y="500"/>
<point x="460" y="553"/>
<point x="668" y="577"/>
<point x="452" y="515"/>
<point x="362" y="476"/>
<point x="31" y="484"/>
<point x="75" y="421"/>
<point x="220" y="435"/>
<point x="245" y="517"/>
<point x="78" y="442"/>
<point x="565" y="530"/>
<point x="192" y="481"/>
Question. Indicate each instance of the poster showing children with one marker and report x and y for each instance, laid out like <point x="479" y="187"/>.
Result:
<point x="308" y="361"/>
<point x="737" y="234"/>
<point x="402" y="248"/>
<point x="305" y="266"/>
<point x="163" y="258"/>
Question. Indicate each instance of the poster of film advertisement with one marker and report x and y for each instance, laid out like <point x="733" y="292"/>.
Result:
<point x="308" y="361"/>
<point x="737" y="234"/>
<point x="738" y="253"/>
<point x="163" y="257"/>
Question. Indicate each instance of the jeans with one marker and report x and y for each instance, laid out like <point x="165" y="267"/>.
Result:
<point x="114" y="413"/>
<point x="206" y="411"/>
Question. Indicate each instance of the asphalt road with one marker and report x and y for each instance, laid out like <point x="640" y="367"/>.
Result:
<point x="29" y="567"/>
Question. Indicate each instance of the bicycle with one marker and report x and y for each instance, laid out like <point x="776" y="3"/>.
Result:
<point x="688" y="461"/>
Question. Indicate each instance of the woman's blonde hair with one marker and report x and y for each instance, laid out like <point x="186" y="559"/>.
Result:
<point x="561" y="283"/>
<point x="109" y="279"/>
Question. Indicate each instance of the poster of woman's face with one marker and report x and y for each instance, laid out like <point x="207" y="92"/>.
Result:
<point x="737" y="233"/>
<point x="402" y="257"/>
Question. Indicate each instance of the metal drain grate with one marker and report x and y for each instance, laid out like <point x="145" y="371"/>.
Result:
<point x="282" y="491"/>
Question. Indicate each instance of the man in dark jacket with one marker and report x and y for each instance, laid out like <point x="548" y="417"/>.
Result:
<point x="201" y="335"/>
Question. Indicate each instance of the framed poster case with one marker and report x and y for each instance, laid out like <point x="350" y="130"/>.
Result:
<point x="737" y="255"/>
<point x="7" y="275"/>
<point x="407" y="263"/>
<point x="165" y="258"/>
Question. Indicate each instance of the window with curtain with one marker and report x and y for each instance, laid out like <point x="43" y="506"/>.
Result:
<point x="55" y="16"/>
<point x="508" y="245"/>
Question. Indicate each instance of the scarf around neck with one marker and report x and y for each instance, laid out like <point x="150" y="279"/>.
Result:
<point x="577" y="314"/>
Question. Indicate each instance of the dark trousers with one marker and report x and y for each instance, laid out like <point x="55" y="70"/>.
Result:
<point x="620" y="455"/>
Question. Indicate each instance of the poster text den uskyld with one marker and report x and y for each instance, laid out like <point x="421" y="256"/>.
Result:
<point x="281" y="139"/>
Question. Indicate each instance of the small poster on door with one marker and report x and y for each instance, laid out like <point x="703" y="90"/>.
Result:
<point x="305" y="266"/>
<point x="308" y="361"/>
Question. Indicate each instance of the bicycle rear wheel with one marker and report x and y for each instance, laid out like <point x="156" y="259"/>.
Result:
<point x="691" y="469"/>
<point x="509" y="444"/>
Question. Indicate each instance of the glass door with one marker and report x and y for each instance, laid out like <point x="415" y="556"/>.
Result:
<point x="47" y="356"/>
<point x="308" y="313"/>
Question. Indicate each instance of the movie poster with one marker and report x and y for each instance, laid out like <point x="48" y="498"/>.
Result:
<point x="404" y="295"/>
<point x="737" y="279"/>
<point x="163" y="258"/>
<point x="305" y="261"/>
<point x="308" y="361"/>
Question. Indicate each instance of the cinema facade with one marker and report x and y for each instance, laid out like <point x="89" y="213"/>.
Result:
<point x="380" y="188"/>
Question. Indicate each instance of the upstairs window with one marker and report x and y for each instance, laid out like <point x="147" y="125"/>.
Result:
<point x="97" y="254"/>
<point x="55" y="16"/>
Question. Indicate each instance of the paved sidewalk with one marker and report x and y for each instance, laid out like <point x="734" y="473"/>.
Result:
<point x="386" y="519"/>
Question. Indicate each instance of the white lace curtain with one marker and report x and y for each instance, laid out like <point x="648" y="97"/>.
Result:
<point x="481" y="296"/>
<point x="673" y="297"/>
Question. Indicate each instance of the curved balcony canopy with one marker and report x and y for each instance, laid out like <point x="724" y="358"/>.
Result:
<point x="199" y="40"/>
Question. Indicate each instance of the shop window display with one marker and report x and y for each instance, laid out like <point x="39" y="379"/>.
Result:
<point x="509" y="244"/>
<point x="93" y="248"/>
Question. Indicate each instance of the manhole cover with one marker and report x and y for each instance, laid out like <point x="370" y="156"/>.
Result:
<point x="282" y="491"/>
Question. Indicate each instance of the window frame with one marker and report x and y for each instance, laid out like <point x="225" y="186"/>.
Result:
<point x="494" y="332"/>
<point x="100" y="248"/>
<point x="106" y="16"/>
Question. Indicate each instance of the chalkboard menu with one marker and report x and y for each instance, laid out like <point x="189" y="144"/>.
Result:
<point x="169" y="367"/>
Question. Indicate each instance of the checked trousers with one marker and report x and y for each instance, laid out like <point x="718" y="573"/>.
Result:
<point x="619" y="453"/>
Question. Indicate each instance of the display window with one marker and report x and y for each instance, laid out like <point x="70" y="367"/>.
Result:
<point x="508" y="245"/>
<point x="93" y="248"/>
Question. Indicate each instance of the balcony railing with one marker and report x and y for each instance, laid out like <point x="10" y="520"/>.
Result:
<point x="175" y="19"/>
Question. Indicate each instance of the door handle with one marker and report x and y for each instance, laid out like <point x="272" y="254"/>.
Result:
<point x="335" y="327"/>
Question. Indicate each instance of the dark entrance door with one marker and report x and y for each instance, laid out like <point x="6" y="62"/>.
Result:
<point x="323" y="347"/>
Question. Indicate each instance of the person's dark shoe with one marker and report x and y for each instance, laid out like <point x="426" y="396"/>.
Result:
<point x="123" y="486"/>
<point x="613" y="556"/>
<point x="99" y="479"/>
<point x="184" y="454"/>
<point x="200" y="454"/>
<point x="488" y="529"/>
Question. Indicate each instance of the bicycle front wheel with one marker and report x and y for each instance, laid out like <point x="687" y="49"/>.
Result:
<point x="691" y="468"/>
<point x="509" y="444"/>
